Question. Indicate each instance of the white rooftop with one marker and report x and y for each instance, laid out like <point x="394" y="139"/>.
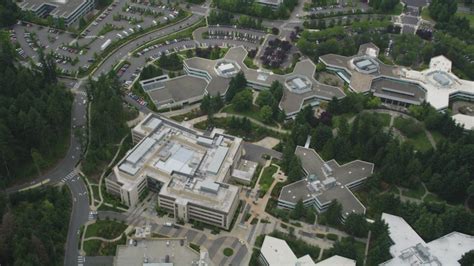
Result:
<point x="465" y="121"/>
<point x="277" y="252"/>
<point x="337" y="260"/>
<point x="439" y="82"/>
<point x="410" y="249"/>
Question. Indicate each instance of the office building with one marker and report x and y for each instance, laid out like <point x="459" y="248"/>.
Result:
<point x="410" y="249"/>
<point x="276" y="252"/>
<point x="301" y="88"/>
<point x="326" y="181"/>
<point x="188" y="170"/>
<point x="71" y="11"/>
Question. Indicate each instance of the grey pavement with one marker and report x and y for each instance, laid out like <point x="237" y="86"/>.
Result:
<point x="254" y="153"/>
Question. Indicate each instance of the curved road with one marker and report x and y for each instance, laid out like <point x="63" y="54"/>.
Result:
<point x="126" y="49"/>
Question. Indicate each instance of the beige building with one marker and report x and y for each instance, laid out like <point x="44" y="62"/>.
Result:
<point x="188" y="170"/>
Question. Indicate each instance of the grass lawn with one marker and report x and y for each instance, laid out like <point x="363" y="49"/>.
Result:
<point x="438" y="137"/>
<point x="385" y="118"/>
<point x="254" y="113"/>
<point x="421" y="142"/>
<point x="228" y="252"/>
<point x="99" y="248"/>
<point x="416" y="193"/>
<point x="257" y="132"/>
<point x="266" y="179"/>
<point x="414" y="132"/>
<point x="106" y="229"/>
<point x="249" y="63"/>
<point x="337" y="118"/>
<point x="425" y="14"/>
<point x="433" y="198"/>
<point x="187" y="116"/>
<point x="469" y="17"/>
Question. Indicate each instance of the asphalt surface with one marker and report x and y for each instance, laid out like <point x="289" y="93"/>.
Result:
<point x="254" y="153"/>
<point x="79" y="216"/>
<point x="123" y="52"/>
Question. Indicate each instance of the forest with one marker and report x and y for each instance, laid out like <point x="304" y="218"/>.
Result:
<point x="34" y="227"/>
<point x="35" y="114"/>
<point x="107" y="121"/>
<point x="252" y="8"/>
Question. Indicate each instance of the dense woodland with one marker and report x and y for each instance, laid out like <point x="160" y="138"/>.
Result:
<point x="226" y="18"/>
<point x="251" y="8"/>
<point x="34" y="116"/>
<point x="107" y="121"/>
<point x="34" y="227"/>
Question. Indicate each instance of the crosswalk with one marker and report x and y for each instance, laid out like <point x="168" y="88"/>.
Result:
<point x="81" y="260"/>
<point x="69" y="176"/>
<point x="81" y="93"/>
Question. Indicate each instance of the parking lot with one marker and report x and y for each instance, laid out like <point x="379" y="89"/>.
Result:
<point x="215" y="247"/>
<point x="120" y="20"/>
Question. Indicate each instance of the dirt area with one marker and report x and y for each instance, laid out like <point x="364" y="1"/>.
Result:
<point x="463" y="107"/>
<point x="329" y="79"/>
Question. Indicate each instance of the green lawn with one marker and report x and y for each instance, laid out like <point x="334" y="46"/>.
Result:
<point x="385" y="118"/>
<point x="266" y="179"/>
<point x="425" y="14"/>
<point x="337" y="118"/>
<point x="438" y="137"/>
<point x="105" y="228"/>
<point x="255" y="134"/>
<point x="187" y="116"/>
<point x="254" y="113"/>
<point x="416" y="193"/>
<point x="433" y="198"/>
<point x="470" y="17"/>
<point x="414" y="132"/>
<point x="99" y="248"/>
<point x="421" y="142"/>
<point x="249" y="63"/>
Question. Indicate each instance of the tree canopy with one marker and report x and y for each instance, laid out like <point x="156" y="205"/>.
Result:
<point x="34" y="116"/>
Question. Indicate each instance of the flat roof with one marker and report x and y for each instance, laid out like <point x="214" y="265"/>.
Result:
<point x="337" y="260"/>
<point x="290" y="103"/>
<point x="178" y="89"/>
<point x="175" y="156"/>
<point x="407" y="245"/>
<point x="277" y="252"/>
<point x="366" y="58"/>
<point x="157" y="252"/>
<point x="332" y="181"/>
<point x="62" y="8"/>
<point x="466" y="121"/>
<point x="398" y="90"/>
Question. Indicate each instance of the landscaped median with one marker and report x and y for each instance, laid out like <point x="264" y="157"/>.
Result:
<point x="117" y="45"/>
<point x="102" y="237"/>
<point x="187" y="32"/>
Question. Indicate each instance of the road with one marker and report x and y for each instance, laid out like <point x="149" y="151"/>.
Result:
<point x="79" y="216"/>
<point x="123" y="52"/>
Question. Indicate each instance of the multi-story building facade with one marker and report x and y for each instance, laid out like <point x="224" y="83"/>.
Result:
<point x="188" y="170"/>
<point x="326" y="182"/>
<point x="70" y="11"/>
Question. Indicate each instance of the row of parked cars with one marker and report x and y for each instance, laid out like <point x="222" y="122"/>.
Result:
<point x="137" y="98"/>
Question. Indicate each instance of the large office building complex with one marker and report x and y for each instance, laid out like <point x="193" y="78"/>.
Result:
<point x="276" y="252"/>
<point x="68" y="10"/>
<point x="301" y="88"/>
<point x="326" y="182"/>
<point x="410" y="249"/>
<point x="188" y="170"/>
<point x="437" y="85"/>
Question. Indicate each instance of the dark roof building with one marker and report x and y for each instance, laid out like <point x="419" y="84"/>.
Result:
<point x="325" y="182"/>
